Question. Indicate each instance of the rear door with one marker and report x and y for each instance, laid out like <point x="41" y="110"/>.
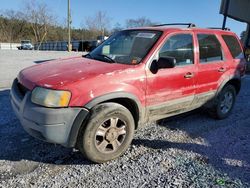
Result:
<point x="211" y="67"/>
<point x="171" y="90"/>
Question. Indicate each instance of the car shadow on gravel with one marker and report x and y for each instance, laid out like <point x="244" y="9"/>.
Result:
<point x="225" y="146"/>
<point x="17" y="145"/>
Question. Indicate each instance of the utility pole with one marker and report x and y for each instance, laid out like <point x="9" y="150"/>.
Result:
<point x="69" y="22"/>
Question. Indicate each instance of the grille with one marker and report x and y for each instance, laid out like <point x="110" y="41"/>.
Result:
<point x="22" y="89"/>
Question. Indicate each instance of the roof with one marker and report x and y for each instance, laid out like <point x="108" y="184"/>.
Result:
<point x="169" y="28"/>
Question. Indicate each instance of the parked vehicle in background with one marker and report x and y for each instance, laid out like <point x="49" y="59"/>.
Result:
<point x="100" y="39"/>
<point x="96" y="102"/>
<point x="87" y="46"/>
<point x="25" y="45"/>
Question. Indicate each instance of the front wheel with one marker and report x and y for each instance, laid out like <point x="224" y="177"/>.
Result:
<point x="108" y="133"/>
<point x="224" y="103"/>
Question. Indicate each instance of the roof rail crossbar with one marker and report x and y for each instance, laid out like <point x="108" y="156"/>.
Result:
<point x="189" y="25"/>
<point x="226" y="29"/>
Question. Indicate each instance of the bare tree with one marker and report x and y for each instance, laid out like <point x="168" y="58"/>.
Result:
<point x="117" y="27"/>
<point x="139" y="22"/>
<point x="4" y="29"/>
<point x="12" y="25"/>
<point x="40" y="18"/>
<point x="98" y="23"/>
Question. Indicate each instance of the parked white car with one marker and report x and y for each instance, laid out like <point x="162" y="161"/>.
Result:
<point x="25" y="45"/>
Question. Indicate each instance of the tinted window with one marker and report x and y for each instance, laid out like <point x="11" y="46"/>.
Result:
<point x="233" y="46"/>
<point x="210" y="48"/>
<point x="180" y="47"/>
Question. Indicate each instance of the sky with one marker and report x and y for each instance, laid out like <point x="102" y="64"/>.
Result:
<point x="204" y="13"/>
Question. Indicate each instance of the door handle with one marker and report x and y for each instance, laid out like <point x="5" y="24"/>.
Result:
<point x="222" y="69"/>
<point x="189" y="75"/>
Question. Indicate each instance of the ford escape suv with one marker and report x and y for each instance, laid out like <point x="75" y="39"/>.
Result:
<point x="96" y="102"/>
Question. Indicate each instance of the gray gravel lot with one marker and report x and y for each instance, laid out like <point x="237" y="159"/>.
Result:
<point x="12" y="61"/>
<point x="190" y="150"/>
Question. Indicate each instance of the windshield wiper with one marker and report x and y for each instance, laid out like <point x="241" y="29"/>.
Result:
<point x="110" y="60"/>
<point x="87" y="55"/>
<point x="107" y="57"/>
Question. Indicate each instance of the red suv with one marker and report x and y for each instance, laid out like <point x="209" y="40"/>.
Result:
<point x="96" y="102"/>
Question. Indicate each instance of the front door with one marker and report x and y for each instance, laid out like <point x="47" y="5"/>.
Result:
<point x="171" y="90"/>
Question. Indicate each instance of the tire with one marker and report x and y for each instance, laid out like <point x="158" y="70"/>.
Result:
<point x="108" y="133"/>
<point x="224" y="103"/>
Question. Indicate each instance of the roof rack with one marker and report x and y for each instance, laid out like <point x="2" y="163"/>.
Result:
<point x="226" y="29"/>
<point x="189" y="25"/>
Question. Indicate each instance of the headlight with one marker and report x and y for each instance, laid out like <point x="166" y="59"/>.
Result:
<point x="50" y="98"/>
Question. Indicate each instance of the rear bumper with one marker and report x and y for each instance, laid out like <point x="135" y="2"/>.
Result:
<point x="55" y="125"/>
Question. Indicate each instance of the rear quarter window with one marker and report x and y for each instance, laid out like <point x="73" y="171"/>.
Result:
<point x="233" y="46"/>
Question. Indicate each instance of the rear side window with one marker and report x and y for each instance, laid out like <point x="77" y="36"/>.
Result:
<point x="233" y="46"/>
<point x="210" y="48"/>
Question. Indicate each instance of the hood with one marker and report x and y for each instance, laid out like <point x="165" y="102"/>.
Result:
<point x="57" y="73"/>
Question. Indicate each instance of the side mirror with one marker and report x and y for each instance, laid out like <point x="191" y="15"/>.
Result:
<point x="163" y="63"/>
<point x="166" y="62"/>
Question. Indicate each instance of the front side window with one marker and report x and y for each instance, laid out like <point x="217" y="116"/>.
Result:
<point x="180" y="47"/>
<point x="126" y="47"/>
<point x="210" y="48"/>
<point x="233" y="46"/>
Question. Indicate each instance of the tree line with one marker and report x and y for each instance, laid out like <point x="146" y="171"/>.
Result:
<point x="36" y="22"/>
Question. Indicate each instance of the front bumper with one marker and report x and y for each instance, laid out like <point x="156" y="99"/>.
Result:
<point x="54" y="125"/>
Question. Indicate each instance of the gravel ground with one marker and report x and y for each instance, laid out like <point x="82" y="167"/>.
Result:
<point x="190" y="150"/>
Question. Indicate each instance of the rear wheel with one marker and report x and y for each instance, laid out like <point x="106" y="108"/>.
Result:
<point x="224" y="102"/>
<point x="108" y="133"/>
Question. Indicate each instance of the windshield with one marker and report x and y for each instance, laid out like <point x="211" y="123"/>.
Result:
<point x="126" y="47"/>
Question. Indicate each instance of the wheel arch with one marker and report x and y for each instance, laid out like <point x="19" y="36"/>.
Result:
<point x="128" y="100"/>
<point x="234" y="81"/>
